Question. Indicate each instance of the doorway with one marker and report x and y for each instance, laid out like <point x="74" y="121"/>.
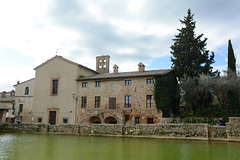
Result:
<point x="52" y="117"/>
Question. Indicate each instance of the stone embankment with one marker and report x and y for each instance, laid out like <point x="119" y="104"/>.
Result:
<point x="230" y="132"/>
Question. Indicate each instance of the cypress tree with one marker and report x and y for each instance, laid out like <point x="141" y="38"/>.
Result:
<point x="232" y="94"/>
<point x="231" y="59"/>
<point x="190" y="57"/>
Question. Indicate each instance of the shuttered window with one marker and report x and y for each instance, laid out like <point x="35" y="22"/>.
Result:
<point x="128" y="101"/>
<point x="112" y="103"/>
<point x="84" y="102"/>
<point x="149" y="101"/>
<point x="97" y="101"/>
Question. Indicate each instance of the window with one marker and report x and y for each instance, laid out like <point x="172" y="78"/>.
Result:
<point x="104" y="63"/>
<point x="137" y="120"/>
<point x="20" y="109"/>
<point x="55" y="87"/>
<point x="97" y="101"/>
<point x="150" y="121"/>
<point x="26" y="91"/>
<point x="150" y="81"/>
<point x="39" y="119"/>
<point x="65" y="120"/>
<point x="98" y="84"/>
<point x="128" y="101"/>
<point x="128" y="82"/>
<point x="149" y="101"/>
<point x="127" y="117"/>
<point x="84" y="102"/>
<point x="100" y="63"/>
<point x="112" y="103"/>
<point x="84" y="85"/>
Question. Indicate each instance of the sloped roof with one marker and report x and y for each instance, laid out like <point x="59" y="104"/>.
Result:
<point x="149" y="73"/>
<point x="63" y="59"/>
<point x="23" y="82"/>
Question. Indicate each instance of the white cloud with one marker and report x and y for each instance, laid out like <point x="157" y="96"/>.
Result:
<point x="135" y="5"/>
<point x="129" y="31"/>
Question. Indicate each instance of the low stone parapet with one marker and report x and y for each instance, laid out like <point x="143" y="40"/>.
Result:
<point x="183" y="130"/>
<point x="234" y="121"/>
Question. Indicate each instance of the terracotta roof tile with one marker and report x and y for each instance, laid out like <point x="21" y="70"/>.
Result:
<point x="127" y="74"/>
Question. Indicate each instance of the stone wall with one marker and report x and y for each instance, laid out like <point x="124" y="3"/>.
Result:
<point x="230" y="132"/>
<point x="157" y="130"/>
<point x="217" y="132"/>
<point x="194" y="120"/>
<point x="172" y="130"/>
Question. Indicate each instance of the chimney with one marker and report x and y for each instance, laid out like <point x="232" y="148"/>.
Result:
<point x="141" y="67"/>
<point x="115" y="69"/>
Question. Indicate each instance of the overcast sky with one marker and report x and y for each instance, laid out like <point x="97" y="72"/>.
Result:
<point x="130" y="31"/>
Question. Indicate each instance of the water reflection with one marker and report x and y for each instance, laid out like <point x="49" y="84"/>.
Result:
<point x="29" y="146"/>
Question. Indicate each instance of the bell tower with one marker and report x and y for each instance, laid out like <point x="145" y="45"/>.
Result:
<point x="102" y="64"/>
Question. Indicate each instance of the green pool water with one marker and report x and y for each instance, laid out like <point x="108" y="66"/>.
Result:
<point x="67" y="147"/>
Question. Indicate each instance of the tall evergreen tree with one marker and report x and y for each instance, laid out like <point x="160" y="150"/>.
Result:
<point x="231" y="59"/>
<point x="232" y="94"/>
<point x="190" y="56"/>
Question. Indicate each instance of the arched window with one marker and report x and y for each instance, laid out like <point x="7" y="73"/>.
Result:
<point x="26" y="90"/>
<point x="95" y="120"/>
<point x="110" y="120"/>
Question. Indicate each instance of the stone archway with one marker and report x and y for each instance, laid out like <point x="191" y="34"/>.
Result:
<point x="95" y="120"/>
<point x="110" y="120"/>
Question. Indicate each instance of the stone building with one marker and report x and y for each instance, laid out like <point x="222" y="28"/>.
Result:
<point x="24" y="101"/>
<point x="66" y="92"/>
<point x="7" y="108"/>
<point x="118" y="98"/>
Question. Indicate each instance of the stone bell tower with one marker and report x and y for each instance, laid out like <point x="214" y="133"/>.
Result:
<point x="102" y="64"/>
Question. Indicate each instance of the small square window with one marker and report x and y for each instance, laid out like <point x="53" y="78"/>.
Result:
<point x="39" y="119"/>
<point x="65" y="120"/>
<point x="150" y="121"/>
<point x="128" y="82"/>
<point x="84" y="85"/>
<point x="150" y="81"/>
<point x="98" y="84"/>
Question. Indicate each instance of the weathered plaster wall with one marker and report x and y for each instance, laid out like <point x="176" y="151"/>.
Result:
<point x="63" y="102"/>
<point x="24" y="99"/>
